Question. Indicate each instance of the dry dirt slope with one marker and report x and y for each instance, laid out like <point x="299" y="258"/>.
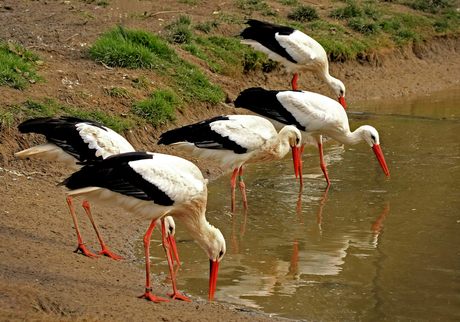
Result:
<point x="40" y="278"/>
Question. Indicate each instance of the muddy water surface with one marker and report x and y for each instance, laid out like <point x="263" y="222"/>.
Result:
<point x="367" y="248"/>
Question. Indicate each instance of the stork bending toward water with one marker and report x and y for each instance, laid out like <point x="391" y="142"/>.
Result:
<point x="235" y="140"/>
<point x="152" y="186"/>
<point x="313" y="114"/>
<point x="74" y="140"/>
<point x="295" y="50"/>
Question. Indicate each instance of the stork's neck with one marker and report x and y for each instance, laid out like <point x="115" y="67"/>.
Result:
<point x="330" y="80"/>
<point x="345" y="136"/>
<point x="194" y="220"/>
<point x="322" y="71"/>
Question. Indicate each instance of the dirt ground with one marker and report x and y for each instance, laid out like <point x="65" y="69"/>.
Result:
<point x="41" y="279"/>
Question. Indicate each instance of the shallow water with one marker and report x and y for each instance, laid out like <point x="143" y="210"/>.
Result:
<point x="367" y="248"/>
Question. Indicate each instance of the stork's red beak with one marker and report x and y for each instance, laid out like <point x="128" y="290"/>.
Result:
<point x="379" y="154"/>
<point x="342" y="102"/>
<point x="295" y="158"/>
<point x="172" y="242"/>
<point x="214" y="270"/>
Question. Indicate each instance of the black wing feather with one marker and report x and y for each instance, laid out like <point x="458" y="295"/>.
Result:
<point x="63" y="132"/>
<point x="202" y="136"/>
<point x="265" y="103"/>
<point x="264" y="33"/>
<point x="115" y="174"/>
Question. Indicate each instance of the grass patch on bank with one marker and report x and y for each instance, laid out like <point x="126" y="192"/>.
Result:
<point x="96" y="2"/>
<point x="303" y="13"/>
<point x="431" y="6"/>
<point x="118" y="92"/>
<point x="50" y="108"/>
<point x="18" y="66"/>
<point x="227" y="56"/>
<point x="6" y="120"/>
<point x="159" y="109"/>
<point x="248" y="6"/>
<point x="120" y="47"/>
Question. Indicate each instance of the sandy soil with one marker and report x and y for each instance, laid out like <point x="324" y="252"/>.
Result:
<point x="41" y="278"/>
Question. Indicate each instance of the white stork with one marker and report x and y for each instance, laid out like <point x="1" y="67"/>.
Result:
<point x="73" y="140"/>
<point x="294" y="49"/>
<point x="151" y="186"/>
<point x="235" y="140"/>
<point x="313" y="114"/>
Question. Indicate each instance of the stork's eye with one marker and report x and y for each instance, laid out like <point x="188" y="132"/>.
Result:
<point x="297" y="141"/>
<point x="221" y="254"/>
<point x="373" y="138"/>
<point x="170" y="229"/>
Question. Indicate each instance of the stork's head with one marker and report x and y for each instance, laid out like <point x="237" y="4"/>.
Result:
<point x="170" y="229"/>
<point x="215" y="248"/>
<point x="170" y="225"/>
<point x="339" y="90"/>
<point x="295" y="138"/>
<point x="370" y="135"/>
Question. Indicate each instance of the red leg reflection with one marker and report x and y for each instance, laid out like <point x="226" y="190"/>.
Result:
<point x="294" y="267"/>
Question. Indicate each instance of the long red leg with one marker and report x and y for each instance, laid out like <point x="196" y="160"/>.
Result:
<point x="322" y="163"/>
<point x="81" y="244"/>
<point x="301" y="163"/>
<point x="148" y="288"/>
<point x="294" y="81"/>
<point x="173" y="249"/>
<point x="166" y="245"/>
<point x="233" y="186"/>
<point x="242" y="187"/>
<point x="105" y="251"/>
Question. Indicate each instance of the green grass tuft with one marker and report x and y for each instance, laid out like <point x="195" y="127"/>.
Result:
<point x="141" y="82"/>
<point x="228" y="56"/>
<point x="18" y="66"/>
<point x="364" y="27"/>
<point x="118" y="92"/>
<point x="372" y="13"/>
<point x="96" y="2"/>
<point x="207" y="26"/>
<point x="190" y="3"/>
<point x="150" y="52"/>
<point x="256" y="5"/>
<point x="431" y="6"/>
<point x="159" y="109"/>
<point x="390" y="25"/>
<point x="351" y="10"/>
<point x="289" y="2"/>
<point x="122" y="48"/>
<point x="6" y="120"/>
<point x="180" y="31"/>
<point x="303" y="13"/>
